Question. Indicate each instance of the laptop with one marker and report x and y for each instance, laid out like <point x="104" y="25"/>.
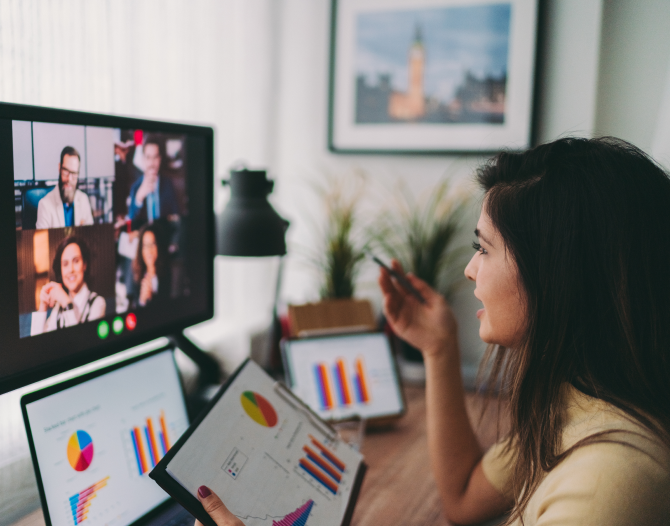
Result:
<point x="94" y="439"/>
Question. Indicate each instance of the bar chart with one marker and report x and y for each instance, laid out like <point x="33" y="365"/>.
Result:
<point x="81" y="502"/>
<point x="341" y="384"/>
<point x="297" y="517"/>
<point x="324" y="467"/>
<point x="150" y="443"/>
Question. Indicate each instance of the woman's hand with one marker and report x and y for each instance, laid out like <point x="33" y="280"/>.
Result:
<point x="51" y="294"/>
<point x="58" y="295"/>
<point x="146" y="290"/>
<point x="216" y="509"/>
<point x="429" y="327"/>
<point x="146" y="187"/>
<point x="45" y="297"/>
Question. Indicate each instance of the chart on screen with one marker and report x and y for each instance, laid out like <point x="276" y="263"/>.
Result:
<point x="80" y="450"/>
<point x="147" y="442"/>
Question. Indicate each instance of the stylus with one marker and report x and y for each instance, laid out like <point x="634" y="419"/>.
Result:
<point x="400" y="278"/>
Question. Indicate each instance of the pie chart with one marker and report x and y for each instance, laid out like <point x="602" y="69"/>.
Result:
<point x="259" y="409"/>
<point x="80" y="450"/>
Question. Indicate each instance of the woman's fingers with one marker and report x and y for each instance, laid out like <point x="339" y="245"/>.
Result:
<point x="216" y="509"/>
<point x="397" y="266"/>
<point x="421" y="286"/>
<point x="393" y="297"/>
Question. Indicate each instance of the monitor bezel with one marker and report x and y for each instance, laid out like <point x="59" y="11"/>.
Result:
<point x="9" y="111"/>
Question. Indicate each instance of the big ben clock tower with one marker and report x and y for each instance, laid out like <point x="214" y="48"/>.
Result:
<point x="412" y="104"/>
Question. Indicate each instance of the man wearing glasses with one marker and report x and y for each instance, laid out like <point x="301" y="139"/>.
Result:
<point x="65" y="205"/>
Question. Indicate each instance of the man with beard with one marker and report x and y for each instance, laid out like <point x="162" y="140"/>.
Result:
<point x="65" y="205"/>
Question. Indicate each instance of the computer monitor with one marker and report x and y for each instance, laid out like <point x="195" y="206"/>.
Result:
<point x="107" y="239"/>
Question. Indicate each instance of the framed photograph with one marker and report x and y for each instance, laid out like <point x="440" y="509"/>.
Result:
<point x="422" y="76"/>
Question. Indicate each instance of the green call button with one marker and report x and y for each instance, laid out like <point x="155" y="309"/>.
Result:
<point x="117" y="325"/>
<point x="103" y="329"/>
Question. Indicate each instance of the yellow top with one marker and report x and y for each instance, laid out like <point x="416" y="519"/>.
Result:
<point x="599" y="484"/>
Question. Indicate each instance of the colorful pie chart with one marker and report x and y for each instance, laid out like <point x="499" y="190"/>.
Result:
<point x="259" y="409"/>
<point x="80" y="450"/>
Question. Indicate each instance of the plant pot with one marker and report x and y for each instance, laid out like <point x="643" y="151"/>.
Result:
<point x="332" y="316"/>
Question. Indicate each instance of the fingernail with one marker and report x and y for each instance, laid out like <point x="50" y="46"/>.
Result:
<point x="204" y="492"/>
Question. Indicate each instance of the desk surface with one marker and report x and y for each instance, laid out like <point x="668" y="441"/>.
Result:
<point x="399" y="487"/>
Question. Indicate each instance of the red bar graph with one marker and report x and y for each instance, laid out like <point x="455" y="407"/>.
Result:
<point x="164" y="430"/>
<point x="362" y="381"/>
<point x="323" y="466"/>
<point x="81" y="502"/>
<point x="343" y="382"/>
<point x="314" y="457"/>
<point x="150" y="443"/>
<point x="324" y="386"/>
<point x="349" y="384"/>
<point x="142" y="463"/>
<point x="328" y="454"/>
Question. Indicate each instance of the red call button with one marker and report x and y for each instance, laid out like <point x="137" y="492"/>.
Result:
<point x="131" y="321"/>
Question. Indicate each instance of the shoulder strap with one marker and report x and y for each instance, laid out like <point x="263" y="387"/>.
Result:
<point x="87" y="308"/>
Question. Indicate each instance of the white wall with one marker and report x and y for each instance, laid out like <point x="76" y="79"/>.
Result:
<point x="300" y="156"/>
<point x="635" y="50"/>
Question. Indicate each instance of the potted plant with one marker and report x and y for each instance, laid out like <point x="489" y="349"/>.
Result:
<point x="421" y="233"/>
<point x="338" y="261"/>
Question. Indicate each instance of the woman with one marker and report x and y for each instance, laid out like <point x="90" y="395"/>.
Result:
<point x="571" y="267"/>
<point x="69" y="298"/>
<point x="150" y="267"/>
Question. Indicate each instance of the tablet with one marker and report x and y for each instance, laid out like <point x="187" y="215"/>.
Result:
<point x="344" y="376"/>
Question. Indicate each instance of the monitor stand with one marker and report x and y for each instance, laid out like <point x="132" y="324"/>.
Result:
<point x="209" y="369"/>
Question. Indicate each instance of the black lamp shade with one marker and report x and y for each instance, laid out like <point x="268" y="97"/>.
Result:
<point x="249" y="226"/>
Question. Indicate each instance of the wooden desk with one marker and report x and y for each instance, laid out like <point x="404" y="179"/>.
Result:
<point x="399" y="488"/>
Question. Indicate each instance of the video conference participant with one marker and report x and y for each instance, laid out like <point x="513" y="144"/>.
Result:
<point x="65" y="205"/>
<point x="152" y="195"/>
<point x="151" y="267"/>
<point x="70" y="299"/>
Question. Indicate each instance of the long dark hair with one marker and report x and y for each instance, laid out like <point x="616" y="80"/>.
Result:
<point x="587" y="222"/>
<point x="139" y="266"/>
<point x="85" y="256"/>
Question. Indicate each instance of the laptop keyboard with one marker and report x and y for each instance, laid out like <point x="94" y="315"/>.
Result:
<point x="182" y="519"/>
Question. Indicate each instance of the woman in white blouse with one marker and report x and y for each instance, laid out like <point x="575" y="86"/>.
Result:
<point x="69" y="298"/>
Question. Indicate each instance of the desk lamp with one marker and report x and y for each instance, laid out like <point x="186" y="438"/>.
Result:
<point x="250" y="227"/>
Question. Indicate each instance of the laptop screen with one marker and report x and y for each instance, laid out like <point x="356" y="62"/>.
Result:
<point x="96" y="442"/>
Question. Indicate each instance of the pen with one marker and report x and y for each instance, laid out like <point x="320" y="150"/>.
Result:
<point x="400" y="278"/>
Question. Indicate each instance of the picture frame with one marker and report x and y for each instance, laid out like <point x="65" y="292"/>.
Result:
<point x="432" y="76"/>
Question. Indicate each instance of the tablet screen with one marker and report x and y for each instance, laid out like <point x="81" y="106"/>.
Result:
<point x="343" y="376"/>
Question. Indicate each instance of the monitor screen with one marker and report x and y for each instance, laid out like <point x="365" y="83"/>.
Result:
<point x="94" y="443"/>
<point x="111" y="238"/>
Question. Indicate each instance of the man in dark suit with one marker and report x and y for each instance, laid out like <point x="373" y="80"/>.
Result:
<point x="152" y="196"/>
